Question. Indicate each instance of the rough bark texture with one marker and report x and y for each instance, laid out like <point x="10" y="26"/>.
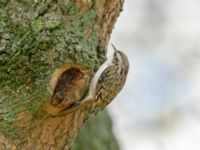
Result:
<point x="35" y="38"/>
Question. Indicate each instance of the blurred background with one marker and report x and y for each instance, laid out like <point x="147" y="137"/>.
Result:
<point x="159" y="107"/>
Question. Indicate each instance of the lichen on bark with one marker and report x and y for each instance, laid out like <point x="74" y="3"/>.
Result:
<point x="36" y="37"/>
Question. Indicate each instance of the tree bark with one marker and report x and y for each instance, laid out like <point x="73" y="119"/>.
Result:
<point x="36" y="37"/>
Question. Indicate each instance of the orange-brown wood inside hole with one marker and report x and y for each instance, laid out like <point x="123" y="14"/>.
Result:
<point x="69" y="84"/>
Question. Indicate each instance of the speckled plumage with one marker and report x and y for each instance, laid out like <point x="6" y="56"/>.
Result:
<point x="111" y="81"/>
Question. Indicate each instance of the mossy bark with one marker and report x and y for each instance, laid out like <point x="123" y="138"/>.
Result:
<point x="36" y="37"/>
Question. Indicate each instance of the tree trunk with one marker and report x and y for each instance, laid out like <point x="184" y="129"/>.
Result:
<point x="36" y="37"/>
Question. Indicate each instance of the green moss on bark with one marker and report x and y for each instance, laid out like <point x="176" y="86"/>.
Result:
<point x="35" y="38"/>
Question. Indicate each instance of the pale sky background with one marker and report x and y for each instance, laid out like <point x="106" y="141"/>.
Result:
<point x="159" y="107"/>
